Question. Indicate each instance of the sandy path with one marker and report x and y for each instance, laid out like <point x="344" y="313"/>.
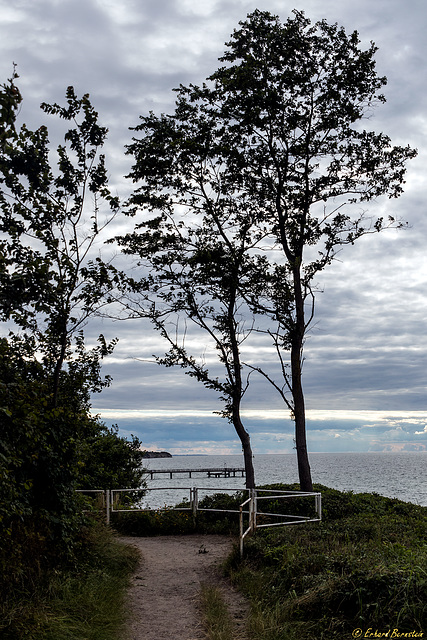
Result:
<point x="164" y="595"/>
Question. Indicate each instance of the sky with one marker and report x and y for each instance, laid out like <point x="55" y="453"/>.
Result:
<point x="365" y="368"/>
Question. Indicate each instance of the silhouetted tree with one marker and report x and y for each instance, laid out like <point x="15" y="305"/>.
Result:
<point x="273" y="147"/>
<point x="50" y="220"/>
<point x="192" y="276"/>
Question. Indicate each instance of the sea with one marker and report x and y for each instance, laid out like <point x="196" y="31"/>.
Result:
<point x="393" y="474"/>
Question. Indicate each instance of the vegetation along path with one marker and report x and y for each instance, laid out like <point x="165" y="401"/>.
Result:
<point x="165" y="595"/>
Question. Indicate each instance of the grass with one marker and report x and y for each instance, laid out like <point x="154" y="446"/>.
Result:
<point x="218" y="623"/>
<point x="85" y="603"/>
<point x="364" y="567"/>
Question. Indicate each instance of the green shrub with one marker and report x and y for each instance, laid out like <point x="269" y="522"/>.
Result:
<point x="176" y="521"/>
<point x="364" y="565"/>
<point x="83" y="601"/>
<point x="165" y="521"/>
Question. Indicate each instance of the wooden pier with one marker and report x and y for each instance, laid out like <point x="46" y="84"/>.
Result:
<point x="219" y="472"/>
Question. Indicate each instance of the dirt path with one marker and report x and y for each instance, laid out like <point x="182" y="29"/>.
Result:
<point x="164" y="595"/>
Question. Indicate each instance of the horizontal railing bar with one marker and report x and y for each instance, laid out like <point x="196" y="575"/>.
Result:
<point x="291" y="492"/>
<point x="221" y="489"/>
<point x="139" y="489"/>
<point x="169" y="488"/>
<point x="290" y="495"/>
<point x="217" y="489"/>
<point x="279" y="524"/>
<point x="221" y="510"/>
<point x="280" y="515"/>
<point x="142" y="509"/>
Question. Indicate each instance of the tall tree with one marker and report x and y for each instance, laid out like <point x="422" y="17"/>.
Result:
<point x="52" y="212"/>
<point x="191" y="280"/>
<point x="275" y="137"/>
<point x="294" y="96"/>
<point x="51" y="219"/>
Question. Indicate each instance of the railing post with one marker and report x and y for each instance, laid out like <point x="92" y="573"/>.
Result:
<point x="252" y="510"/>
<point x="107" y="505"/>
<point x="241" y="531"/>
<point x="255" y="509"/>
<point x="318" y="501"/>
<point x="194" y="501"/>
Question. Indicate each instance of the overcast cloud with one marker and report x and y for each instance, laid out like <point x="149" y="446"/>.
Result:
<point x="366" y="355"/>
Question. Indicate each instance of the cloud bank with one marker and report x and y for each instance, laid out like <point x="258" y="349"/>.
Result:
<point x="367" y="350"/>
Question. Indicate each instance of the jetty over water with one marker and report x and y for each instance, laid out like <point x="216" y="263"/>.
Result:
<point x="215" y="472"/>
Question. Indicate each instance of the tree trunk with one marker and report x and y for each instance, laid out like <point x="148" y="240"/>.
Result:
<point x="297" y="391"/>
<point x="246" y="446"/>
<point x="237" y="394"/>
<point x="304" y="472"/>
<point x="58" y="368"/>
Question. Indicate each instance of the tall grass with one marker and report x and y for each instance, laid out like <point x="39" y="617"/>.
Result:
<point x="364" y="567"/>
<point x="218" y="622"/>
<point x="85" y="602"/>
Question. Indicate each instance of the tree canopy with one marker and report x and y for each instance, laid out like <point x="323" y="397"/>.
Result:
<point x="272" y="149"/>
<point x="54" y="203"/>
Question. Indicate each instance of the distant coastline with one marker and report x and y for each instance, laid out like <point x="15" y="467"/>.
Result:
<point x="157" y="454"/>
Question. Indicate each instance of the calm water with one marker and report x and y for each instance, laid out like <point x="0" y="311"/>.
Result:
<point x="396" y="475"/>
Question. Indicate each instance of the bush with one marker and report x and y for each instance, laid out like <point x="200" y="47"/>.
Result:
<point x="363" y="566"/>
<point x="164" y="521"/>
<point x="83" y="601"/>
<point x="109" y="461"/>
<point x="177" y="521"/>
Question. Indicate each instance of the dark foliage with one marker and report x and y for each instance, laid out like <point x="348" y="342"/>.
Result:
<point x="247" y="191"/>
<point x="49" y="287"/>
<point x="110" y="461"/>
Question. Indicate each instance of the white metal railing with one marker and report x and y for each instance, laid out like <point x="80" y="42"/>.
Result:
<point x="285" y="519"/>
<point x="251" y="528"/>
<point x="112" y="505"/>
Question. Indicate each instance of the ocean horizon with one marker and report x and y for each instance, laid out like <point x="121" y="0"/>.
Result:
<point x="392" y="474"/>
